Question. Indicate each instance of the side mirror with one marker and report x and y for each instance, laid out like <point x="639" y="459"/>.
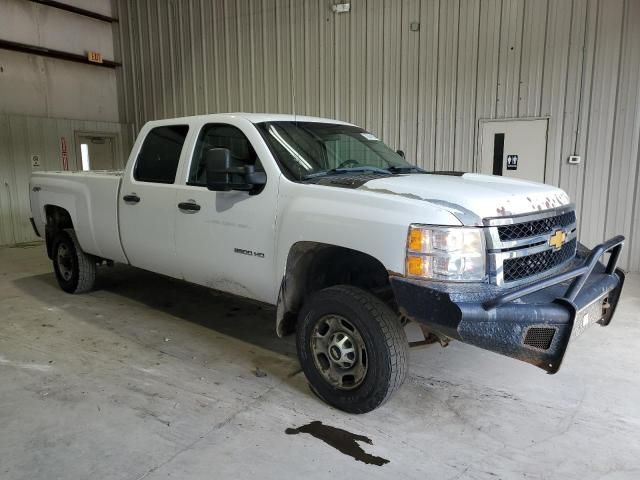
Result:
<point x="225" y="174"/>
<point x="401" y="153"/>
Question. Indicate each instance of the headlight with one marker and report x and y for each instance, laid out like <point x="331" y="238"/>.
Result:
<point x="454" y="254"/>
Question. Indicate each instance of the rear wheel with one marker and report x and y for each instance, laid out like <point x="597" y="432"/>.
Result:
<point x="74" y="269"/>
<point x="352" y="348"/>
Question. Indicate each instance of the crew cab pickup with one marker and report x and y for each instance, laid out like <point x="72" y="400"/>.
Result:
<point x="344" y="236"/>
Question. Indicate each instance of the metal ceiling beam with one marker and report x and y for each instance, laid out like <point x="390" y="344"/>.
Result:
<point x="80" y="11"/>
<point x="47" y="52"/>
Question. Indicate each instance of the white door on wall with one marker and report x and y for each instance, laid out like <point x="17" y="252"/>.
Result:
<point x="514" y="148"/>
<point x="97" y="151"/>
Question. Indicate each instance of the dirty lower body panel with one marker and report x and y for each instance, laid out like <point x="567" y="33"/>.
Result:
<point x="533" y="323"/>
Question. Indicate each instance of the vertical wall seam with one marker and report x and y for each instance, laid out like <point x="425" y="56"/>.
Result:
<point x="476" y="120"/>
<point x="163" y="86"/>
<point x="292" y="59"/>
<point x="538" y="110"/>
<point x="238" y="43"/>
<point x="192" y="42"/>
<point x="615" y="110"/>
<point x="524" y="14"/>
<point x="544" y="61"/>
<point x="455" y="91"/>
<point x="136" y="106"/>
<point x="578" y="132"/>
<point x="205" y="63"/>
<point x="227" y="60"/>
<point x="183" y="80"/>
<point x="634" y="218"/>
<point x="170" y="14"/>
<point x="588" y="126"/>
<point x="417" y="112"/>
<point x="264" y="57"/>
<point x="124" y="68"/>
<point x="564" y="102"/>
<point x="154" y="110"/>
<point x="497" y="85"/>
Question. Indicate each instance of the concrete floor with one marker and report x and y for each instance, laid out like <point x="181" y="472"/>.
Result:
<point x="149" y="377"/>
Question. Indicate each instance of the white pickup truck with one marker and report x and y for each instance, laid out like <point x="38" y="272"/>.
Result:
<point x="344" y="236"/>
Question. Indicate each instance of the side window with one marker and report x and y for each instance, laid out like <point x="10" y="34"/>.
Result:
<point x="160" y="153"/>
<point x="221" y="136"/>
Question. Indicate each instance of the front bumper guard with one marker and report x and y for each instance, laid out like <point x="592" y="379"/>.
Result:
<point x="533" y="323"/>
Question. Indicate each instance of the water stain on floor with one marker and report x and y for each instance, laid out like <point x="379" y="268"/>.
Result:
<point x="342" y="440"/>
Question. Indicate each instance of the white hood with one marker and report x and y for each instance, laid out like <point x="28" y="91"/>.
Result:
<point x="472" y="197"/>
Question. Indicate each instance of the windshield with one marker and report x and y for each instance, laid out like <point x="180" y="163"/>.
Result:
<point x="308" y="149"/>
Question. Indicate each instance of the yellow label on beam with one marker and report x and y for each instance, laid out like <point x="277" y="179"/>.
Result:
<point x="95" y="57"/>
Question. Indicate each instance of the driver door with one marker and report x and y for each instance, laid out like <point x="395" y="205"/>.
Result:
<point x="225" y="240"/>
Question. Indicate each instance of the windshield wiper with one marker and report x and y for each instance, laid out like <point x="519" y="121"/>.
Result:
<point x="338" y="171"/>
<point x="407" y="169"/>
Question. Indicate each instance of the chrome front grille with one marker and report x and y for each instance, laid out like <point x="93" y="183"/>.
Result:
<point x="520" y="248"/>
<point x="530" y="265"/>
<point x="536" y="227"/>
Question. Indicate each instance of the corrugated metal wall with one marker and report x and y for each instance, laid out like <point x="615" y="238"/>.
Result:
<point x="576" y="62"/>
<point x="20" y="138"/>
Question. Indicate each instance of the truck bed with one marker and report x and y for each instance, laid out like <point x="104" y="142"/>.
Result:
<point x="91" y="198"/>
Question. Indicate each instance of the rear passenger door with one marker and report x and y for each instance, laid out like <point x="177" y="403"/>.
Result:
<point x="147" y="203"/>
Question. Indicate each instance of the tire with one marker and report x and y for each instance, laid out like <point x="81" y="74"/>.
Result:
<point x="74" y="269"/>
<point x="332" y="370"/>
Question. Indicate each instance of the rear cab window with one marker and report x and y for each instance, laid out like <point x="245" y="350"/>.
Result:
<point x="159" y="156"/>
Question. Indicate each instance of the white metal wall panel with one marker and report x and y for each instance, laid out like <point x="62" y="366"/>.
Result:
<point x="511" y="30"/>
<point x="409" y="80"/>
<point x="357" y="63"/>
<point x="488" y="57"/>
<point x="554" y="81"/>
<point x="601" y="120"/>
<point x="373" y="50"/>
<point x="391" y="55"/>
<point x="534" y="31"/>
<point x="24" y="136"/>
<point x="575" y="175"/>
<point x="424" y="91"/>
<point x="447" y="84"/>
<point x="428" y="83"/>
<point x="467" y="73"/>
<point x="623" y="179"/>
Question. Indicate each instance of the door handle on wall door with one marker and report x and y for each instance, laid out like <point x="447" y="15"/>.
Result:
<point x="131" y="198"/>
<point x="189" y="207"/>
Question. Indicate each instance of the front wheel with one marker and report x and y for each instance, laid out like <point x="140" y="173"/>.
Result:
<point x="352" y="348"/>
<point x="75" y="270"/>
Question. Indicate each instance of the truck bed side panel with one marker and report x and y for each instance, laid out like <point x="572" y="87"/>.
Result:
<point x="92" y="202"/>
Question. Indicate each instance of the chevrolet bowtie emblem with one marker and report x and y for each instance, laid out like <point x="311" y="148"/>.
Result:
<point x="557" y="239"/>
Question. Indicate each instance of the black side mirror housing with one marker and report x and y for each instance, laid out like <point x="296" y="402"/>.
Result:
<point x="401" y="153"/>
<point x="225" y="174"/>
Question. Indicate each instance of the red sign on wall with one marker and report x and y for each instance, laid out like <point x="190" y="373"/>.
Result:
<point x="64" y="154"/>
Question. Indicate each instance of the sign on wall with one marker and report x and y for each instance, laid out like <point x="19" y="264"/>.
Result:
<point x="95" y="57"/>
<point x="35" y="161"/>
<point x="512" y="162"/>
<point x="64" y="154"/>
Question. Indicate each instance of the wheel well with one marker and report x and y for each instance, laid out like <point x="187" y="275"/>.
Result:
<point x="313" y="266"/>
<point x="57" y="219"/>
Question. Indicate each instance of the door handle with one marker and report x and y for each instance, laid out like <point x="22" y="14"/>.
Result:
<point x="131" y="198"/>
<point x="189" y="207"/>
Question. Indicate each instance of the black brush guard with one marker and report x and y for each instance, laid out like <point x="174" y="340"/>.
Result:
<point x="559" y="307"/>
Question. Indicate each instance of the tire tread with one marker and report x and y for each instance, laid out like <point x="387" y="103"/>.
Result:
<point x="390" y="328"/>
<point x="86" y="265"/>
